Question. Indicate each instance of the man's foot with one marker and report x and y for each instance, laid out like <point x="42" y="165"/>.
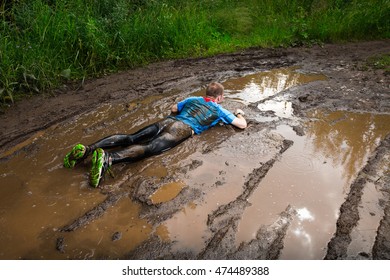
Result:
<point x="75" y="156"/>
<point x="100" y="165"/>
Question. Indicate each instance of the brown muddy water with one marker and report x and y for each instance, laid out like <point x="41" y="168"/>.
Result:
<point x="38" y="196"/>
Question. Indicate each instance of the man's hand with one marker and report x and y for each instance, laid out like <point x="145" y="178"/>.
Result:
<point x="239" y="121"/>
<point x="239" y="112"/>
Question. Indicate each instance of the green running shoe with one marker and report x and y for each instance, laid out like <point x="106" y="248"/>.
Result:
<point x="100" y="165"/>
<point x="75" y="156"/>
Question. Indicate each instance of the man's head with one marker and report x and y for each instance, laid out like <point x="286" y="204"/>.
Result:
<point x="215" y="90"/>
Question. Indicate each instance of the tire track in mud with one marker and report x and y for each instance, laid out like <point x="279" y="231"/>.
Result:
<point x="383" y="238"/>
<point x="381" y="248"/>
<point x="269" y="240"/>
<point x="95" y="212"/>
<point x="236" y="207"/>
<point x="349" y="211"/>
<point x="224" y="222"/>
<point x="267" y="244"/>
<point x="145" y="187"/>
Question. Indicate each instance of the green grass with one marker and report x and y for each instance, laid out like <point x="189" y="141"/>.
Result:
<point x="44" y="43"/>
<point x="380" y="62"/>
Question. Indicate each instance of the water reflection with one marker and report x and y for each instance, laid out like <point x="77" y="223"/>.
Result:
<point x="166" y="192"/>
<point x="304" y="214"/>
<point x="282" y="109"/>
<point x="259" y="86"/>
<point x="313" y="176"/>
<point x="347" y="138"/>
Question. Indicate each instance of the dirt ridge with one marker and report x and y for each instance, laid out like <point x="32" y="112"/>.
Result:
<point x="349" y="213"/>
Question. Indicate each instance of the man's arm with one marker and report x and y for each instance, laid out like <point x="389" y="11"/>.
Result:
<point x="239" y="121"/>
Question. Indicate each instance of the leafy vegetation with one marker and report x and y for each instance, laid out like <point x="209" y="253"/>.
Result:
<point x="46" y="42"/>
<point x="379" y="62"/>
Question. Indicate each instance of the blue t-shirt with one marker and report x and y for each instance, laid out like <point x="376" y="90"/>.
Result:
<point x="201" y="114"/>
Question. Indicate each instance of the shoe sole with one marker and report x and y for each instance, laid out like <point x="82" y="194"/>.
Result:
<point x="97" y="167"/>
<point x="74" y="156"/>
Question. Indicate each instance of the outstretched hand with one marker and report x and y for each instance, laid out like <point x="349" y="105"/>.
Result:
<point x="239" y="111"/>
<point x="239" y="121"/>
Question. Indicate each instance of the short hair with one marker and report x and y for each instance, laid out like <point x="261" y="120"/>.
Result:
<point x="214" y="89"/>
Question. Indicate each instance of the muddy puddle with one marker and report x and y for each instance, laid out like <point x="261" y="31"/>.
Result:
<point x="314" y="176"/>
<point x="39" y="197"/>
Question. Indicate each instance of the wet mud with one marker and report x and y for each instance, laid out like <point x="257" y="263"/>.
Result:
<point x="308" y="179"/>
<point x="342" y="245"/>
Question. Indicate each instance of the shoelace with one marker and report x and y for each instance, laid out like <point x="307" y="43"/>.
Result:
<point x="108" y="170"/>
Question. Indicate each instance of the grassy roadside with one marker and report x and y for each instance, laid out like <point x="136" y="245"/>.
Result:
<point x="44" y="43"/>
<point x="379" y="62"/>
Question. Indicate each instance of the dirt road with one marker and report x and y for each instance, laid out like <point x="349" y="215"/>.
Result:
<point x="308" y="179"/>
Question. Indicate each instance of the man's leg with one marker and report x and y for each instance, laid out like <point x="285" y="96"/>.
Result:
<point x="80" y="151"/>
<point x="172" y="135"/>
<point x="122" y="140"/>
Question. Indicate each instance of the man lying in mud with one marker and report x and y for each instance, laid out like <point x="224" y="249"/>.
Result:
<point x="191" y="116"/>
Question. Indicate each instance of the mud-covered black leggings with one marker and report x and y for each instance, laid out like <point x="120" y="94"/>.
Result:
<point x="151" y="140"/>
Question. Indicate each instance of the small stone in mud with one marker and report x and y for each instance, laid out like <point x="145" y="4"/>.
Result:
<point x="305" y="98"/>
<point x="60" y="244"/>
<point x="195" y="164"/>
<point x="364" y="254"/>
<point x="299" y="130"/>
<point x="116" y="236"/>
<point x="131" y="106"/>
